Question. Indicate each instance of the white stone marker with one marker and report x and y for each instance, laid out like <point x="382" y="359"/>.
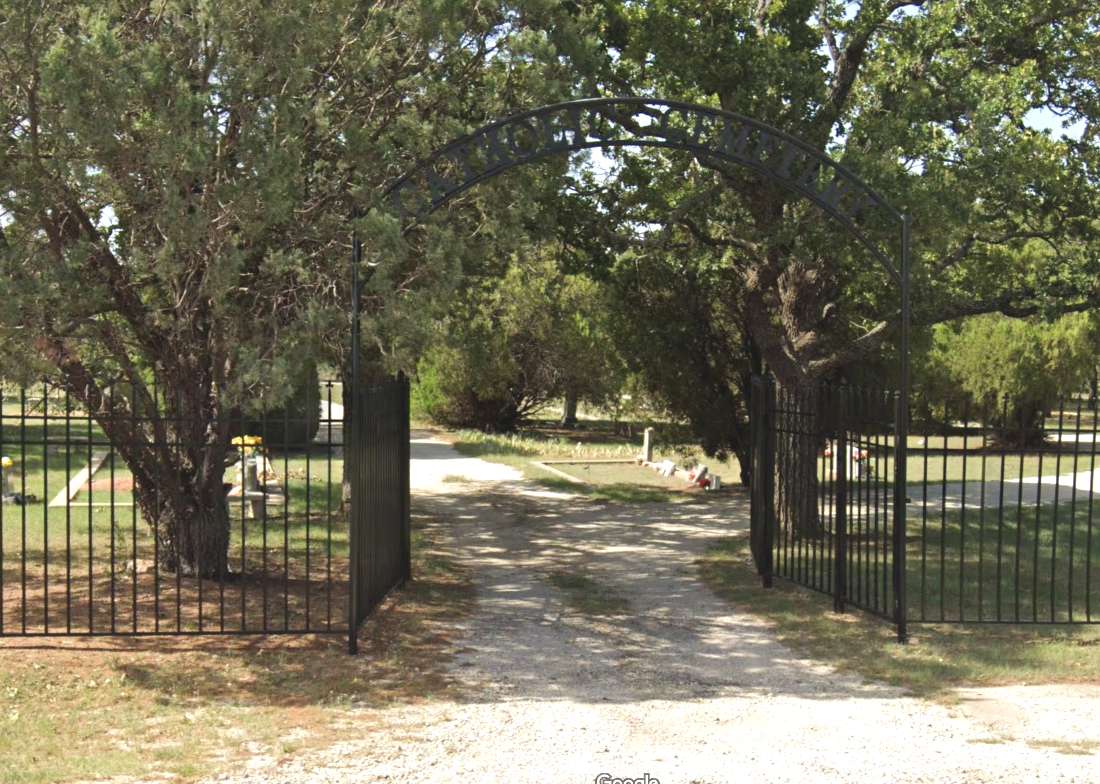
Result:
<point x="647" y="445"/>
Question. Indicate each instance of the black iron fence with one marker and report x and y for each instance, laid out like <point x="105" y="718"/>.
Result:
<point x="97" y="539"/>
<point x="823" y="493"/>
<point x="378" y="454"/>
<point x="1001" y="505"/>
<point x="989" y="520"/>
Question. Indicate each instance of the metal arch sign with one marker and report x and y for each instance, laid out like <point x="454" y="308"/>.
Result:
<point x="708" y="134"/>
<point x="640" y="122"/>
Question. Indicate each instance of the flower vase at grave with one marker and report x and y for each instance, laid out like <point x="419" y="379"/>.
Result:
<point x="7" y="488"/>
<point x="251" y="481"/>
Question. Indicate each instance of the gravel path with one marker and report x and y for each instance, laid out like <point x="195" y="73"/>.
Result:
<point x="683" y="687"/>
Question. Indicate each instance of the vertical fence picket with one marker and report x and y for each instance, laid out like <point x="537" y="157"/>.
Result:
<point x="924" y="526"/>
<point x="1073" y="511"/>
<point x="310" y="411"/>
<point x="1019" y="522"/>
<point x="859" y="554"/>
<point x="157" y="427"/>
<point x="1088" y="536"/>
<point x="1094" y="468"/>
<point x="75" y="558"/>
<point x="46" y="508"/>
<point x="68" y="519"/>
<point x="840" y="568"/>
<point x="875" y="483"/>
<point x="1036" y="539"/>
<point x="943" y="517"/>
<point x="981" y="519"/>
<point x="286" y="443"/>
<point x="1054" y="516"/>
<point x="242" y="458"/>
<point x="91" y="496"/>
<point x="23" y="507"/>
<point x="901" y="513"/>
<point x="1003" y="454"/>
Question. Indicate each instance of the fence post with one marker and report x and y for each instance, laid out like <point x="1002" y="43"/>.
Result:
<point x="901" y="437"/>
<point x="767" y="483"/>
<point x="840" y="546"/>
<point x="406" y="510"/>
<point x="351" y="455"/>
<point x="756" y="471"/>
<point x="901" y="440"/>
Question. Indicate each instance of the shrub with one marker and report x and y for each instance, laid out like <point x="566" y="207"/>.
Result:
<point x="296" y="422"/>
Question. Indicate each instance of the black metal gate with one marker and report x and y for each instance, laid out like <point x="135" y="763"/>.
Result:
<point x="378" y="470"/>
<point x="996" y="530"/>
<point x="826" y="511"/>
<point x="789" y="538"/>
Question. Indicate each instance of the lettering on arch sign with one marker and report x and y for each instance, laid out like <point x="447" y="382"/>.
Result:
<point x="621" y="122"/>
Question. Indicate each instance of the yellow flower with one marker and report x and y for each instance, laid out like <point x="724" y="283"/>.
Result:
<point x="247" y="441"/>
<point x="6" y="462"/>
<point x="248" y="444"/>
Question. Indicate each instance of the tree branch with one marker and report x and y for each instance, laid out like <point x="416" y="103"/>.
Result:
<point x="718" y="242"/>
<point x="827" y="32"/>
<point x="847" y="62"/>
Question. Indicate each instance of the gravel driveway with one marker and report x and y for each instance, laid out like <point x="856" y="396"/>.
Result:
<point x="1028" y="491"/>
<point x="682" y="687"/>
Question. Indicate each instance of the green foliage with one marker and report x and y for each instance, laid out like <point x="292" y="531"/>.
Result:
<point x="513" y="345"/>
<point x="294" y="422"/>
<point x="466" y="381"/>
<point x="177" y="182"/>
<point x="670" y="317"/>
<point x="935" y="105"/>
<point x="988" y="363"/>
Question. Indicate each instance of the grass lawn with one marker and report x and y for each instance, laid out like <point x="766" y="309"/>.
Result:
<point x="73" y="710"/>
<point x="1035" y="564"/>
<point x="938" y="658"/>
<point x="932" y="465"/>
<point x="598" y="440"/>
<point x="87" y="563"/>
<point x="601" y="439"/>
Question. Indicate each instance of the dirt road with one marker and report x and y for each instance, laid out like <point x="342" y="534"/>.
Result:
<point x="679" y="686"/>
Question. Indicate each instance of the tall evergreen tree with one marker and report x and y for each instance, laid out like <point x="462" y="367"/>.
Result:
<point x="176" y="182"/>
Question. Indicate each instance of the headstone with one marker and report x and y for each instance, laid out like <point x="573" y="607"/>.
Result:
<point x="647" y="445"/>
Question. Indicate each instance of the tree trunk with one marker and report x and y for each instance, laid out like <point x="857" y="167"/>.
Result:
<point x="1024" y="427"/>
<point x="784" y="327"/>
<point x="174" y="438"/>
<point x="190" y="519"/>
<point x="743" y="451"/>
<point x="799" y="440"/>
<point x="182" y="494"/>
<point x="742" y="446"/>
<point x="569" y="416"/>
